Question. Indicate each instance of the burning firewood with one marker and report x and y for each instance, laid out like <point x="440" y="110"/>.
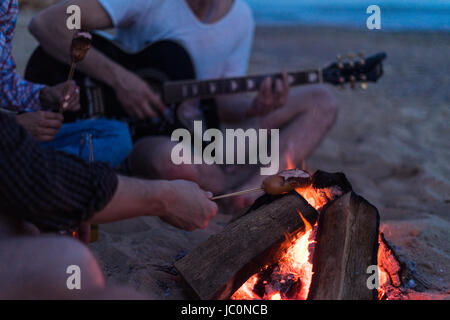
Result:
<point x="253" y="259"/>
<point x="347" y="244"/>
<point x="218" y="267"/>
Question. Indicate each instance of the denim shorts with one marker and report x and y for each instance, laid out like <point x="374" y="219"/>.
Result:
<point x="111" y="140"/>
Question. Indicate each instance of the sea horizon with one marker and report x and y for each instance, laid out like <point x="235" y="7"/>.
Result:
<point x="396" y="15"/>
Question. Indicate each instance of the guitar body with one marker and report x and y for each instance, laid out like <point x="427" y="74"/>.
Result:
<point x="158" y="63"/>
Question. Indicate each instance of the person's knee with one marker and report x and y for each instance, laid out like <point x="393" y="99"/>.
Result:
<point x="72" y="257"/>
<point x="153" y="160"/>
<point x="77" y="254"/>
<point x="42" y="267"/>
<point x="170" y="171"/>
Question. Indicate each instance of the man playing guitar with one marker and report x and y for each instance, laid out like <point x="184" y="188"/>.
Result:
<point x="218" y="35"/>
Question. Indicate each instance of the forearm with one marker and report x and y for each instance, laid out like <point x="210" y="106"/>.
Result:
<point x="49" y="28"/>
<point x="134" y="198"/>
<point x="57" y="41"/>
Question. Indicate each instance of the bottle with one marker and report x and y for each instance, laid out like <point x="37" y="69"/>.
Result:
<point x="87" y="139"/>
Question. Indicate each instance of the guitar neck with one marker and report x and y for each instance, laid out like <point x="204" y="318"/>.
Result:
<point x="178" y="91"/>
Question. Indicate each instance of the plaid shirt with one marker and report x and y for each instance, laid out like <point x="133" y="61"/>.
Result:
<point x="15" y="93"/>
<point x="51" y="189"/>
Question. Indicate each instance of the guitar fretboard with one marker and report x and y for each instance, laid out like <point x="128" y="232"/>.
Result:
<point x="179" y="91"/>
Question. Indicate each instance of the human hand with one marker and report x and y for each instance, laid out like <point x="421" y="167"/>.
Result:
<point x="42" y="125"/>
<point x="57" y="97"/>
<point x="137" y="98"/>
<point x="269" y="100"/>
<point x="187" y="206"/>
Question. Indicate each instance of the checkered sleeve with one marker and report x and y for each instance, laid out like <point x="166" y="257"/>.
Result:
<point x="51" y="189"/>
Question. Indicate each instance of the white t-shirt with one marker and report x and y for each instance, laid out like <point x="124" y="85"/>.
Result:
<point x="220" y="49"/>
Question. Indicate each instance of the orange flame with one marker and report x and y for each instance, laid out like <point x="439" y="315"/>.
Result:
<point x="289" y="164"/>
<point x="295" y="262"/>
<point x="297" y="259"/>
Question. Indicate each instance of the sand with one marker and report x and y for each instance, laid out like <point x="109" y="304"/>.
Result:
<point x="392" y="141"/>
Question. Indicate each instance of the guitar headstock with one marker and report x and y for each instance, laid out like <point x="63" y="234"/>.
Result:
<point x="360" y="70"/>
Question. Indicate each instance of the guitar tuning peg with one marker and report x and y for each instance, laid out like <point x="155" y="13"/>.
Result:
<point x="341" y="81"/>
<point x="351" y="56"/>
<point x="362" y="61"/>
<point x="363" y="79"/>
<point x="340" y="64"/>
<point x="352" y="82"/>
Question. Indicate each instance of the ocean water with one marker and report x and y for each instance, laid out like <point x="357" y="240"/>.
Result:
<point x="395" y="14"/>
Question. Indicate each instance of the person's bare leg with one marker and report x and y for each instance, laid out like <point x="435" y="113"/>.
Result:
<point x="151" y="158"/>
<point x="313" y="111"/>
<point x="35" y="268"/>
<point x="303" y="122"/>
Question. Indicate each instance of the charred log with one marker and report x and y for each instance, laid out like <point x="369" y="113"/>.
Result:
<point x="400" y="275"/>
<point x="322" y="179"/>
<point x="218" y="267"/>
<point x="347" y="244"/>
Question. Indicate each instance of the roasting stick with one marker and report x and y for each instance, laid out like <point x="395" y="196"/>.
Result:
<point x="235" y="194"/>
<point x="81" y="43"/>
<point x="279" y="184"/>
<point x="66" y="86"/>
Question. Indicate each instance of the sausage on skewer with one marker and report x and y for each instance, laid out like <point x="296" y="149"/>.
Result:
<point x="286" y="181"/>
<point x="281" y="183"/>
<point x="81" y="43"/>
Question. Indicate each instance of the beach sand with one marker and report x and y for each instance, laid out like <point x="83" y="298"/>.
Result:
<point x="392" y="141"/>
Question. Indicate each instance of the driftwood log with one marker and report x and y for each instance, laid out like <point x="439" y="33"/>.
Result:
<point x="219" y="266"/>
<point x="347" y="244"/>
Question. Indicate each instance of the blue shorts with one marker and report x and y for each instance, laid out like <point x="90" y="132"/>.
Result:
<point x="111" y="140"/>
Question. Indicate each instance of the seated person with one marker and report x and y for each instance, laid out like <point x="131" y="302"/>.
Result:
<point x="218" y="36"/>
<point x="51" y="191"/>
<point x="34" y="102"/>
<point x="47" y="191"/>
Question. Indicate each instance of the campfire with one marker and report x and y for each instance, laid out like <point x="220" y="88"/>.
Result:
<point x="319" y="242"/>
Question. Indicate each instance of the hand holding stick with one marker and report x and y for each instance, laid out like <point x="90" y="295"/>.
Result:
<point x="279" y="184"/>
<point x="81" y="43"/>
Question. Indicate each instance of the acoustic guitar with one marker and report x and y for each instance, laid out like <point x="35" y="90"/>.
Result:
<point x="168" y="69"/>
